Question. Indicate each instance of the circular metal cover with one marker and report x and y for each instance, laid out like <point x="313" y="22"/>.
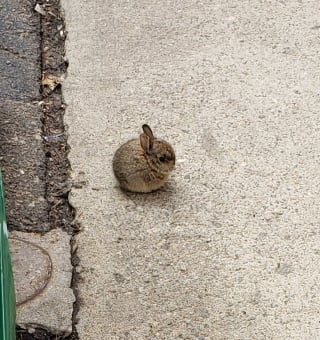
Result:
<point x="32" y="268"/>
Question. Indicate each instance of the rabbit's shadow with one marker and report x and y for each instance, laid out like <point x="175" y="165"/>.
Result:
<point x="162" y="197"/>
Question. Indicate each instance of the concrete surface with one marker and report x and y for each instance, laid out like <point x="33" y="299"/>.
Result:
<point x="231" y="249"/>
<point x="42" y="272"/>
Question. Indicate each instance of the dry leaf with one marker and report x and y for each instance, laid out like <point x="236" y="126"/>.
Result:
<point x="50" y="80"/>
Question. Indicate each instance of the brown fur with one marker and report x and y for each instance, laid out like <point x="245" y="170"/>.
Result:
<point x="143" y="164"/>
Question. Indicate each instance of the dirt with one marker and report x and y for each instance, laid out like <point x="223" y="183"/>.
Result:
<point x="56" y="148"/>
<point x="40" y="334"/>
<point x="33" y="138"/>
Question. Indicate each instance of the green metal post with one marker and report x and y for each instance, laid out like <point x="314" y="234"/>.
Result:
<point x="7" y="293"/>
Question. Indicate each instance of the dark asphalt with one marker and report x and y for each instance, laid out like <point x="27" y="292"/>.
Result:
<point x="22" y="156"/>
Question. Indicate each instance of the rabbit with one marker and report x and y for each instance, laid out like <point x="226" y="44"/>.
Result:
<point x="143" y="164"/>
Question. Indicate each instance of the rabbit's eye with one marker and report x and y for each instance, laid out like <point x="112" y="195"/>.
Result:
<point x="162" y="159"/>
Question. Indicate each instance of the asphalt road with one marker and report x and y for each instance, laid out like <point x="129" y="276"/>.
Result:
<point x="230" y="250"/>
<point x="21" y="148"/>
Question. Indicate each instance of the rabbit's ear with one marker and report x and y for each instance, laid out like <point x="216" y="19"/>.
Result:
<point x="145" y="143"/>
<point x="147" y="130"/>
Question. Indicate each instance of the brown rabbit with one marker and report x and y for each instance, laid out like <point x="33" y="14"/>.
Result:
<point x="143" y="164"/>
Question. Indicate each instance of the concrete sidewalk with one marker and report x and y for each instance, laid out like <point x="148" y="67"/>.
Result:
<point x="230" y="250"/>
